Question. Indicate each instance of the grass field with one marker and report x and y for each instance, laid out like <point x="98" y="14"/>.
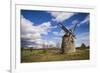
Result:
<point x="28" y="56"/>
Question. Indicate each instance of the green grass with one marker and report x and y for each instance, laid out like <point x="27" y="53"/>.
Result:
<point x="52" y="55"/>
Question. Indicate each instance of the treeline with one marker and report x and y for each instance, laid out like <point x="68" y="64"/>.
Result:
<point x="32" y="48"/>
<point x="83" y="46"/>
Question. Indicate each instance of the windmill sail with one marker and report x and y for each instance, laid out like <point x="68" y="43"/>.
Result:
<point x="74" y="28"/>
<point x="66" y="29"/>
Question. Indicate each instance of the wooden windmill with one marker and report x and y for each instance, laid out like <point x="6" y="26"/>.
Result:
<point x="68" y="40"/>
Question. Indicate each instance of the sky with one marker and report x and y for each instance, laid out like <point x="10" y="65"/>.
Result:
<point x="39" y="28"/>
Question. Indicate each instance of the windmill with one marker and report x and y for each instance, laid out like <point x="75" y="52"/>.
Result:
<point x="68" y="39"/>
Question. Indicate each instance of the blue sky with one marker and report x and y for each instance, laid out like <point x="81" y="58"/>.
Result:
<point x="41" y="27"/>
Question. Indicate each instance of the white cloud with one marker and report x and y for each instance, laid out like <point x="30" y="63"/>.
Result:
<point x="56" y="33"/>
<point x="53" y="27"/>
<point x="61" y="16"/>
<point x="32" y="34"/>
<point x="74" y="22"/>
<point x="29" y="30"/>
<point x="86" y="20"/>
<point x="59" y="34"/>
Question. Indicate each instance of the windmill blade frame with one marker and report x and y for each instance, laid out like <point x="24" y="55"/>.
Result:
<point x="63" y="27"/>
<point x="66" y="29"/>
<point x="74" y="28"/>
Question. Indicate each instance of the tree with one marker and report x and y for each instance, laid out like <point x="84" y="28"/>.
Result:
<point x="31" y="48"/>
<point x="83" y="46"/>
<point x="22" y="48"/>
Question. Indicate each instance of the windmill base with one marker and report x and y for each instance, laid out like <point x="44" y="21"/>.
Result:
<point x="68" y="44"/>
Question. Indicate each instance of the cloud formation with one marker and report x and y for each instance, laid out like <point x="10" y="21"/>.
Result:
<point x="61" y="16"/>
<point x="86" y="20"/>
<point x="31" y="34"/>
<point x="29" y="30"/>
<point x="59" y="34"/>
<point x="79" y="23"/>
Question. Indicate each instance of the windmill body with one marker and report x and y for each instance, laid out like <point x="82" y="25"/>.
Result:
<point x="68" y="44"/>
<point x="68" y="41"/>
